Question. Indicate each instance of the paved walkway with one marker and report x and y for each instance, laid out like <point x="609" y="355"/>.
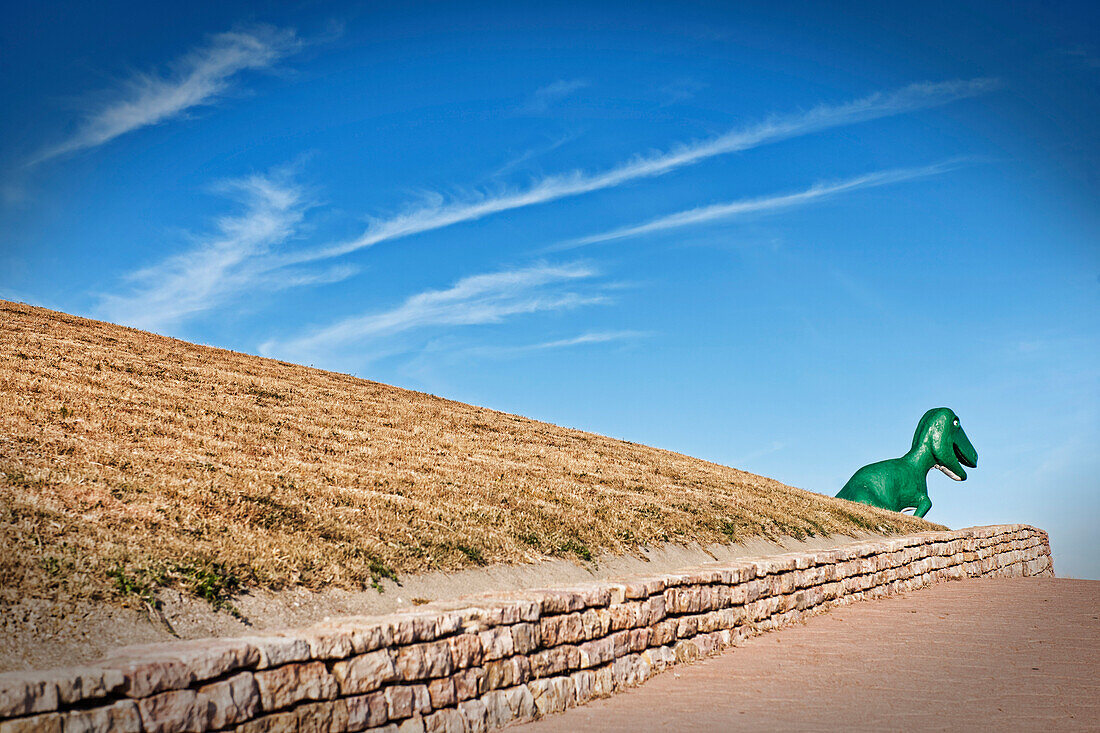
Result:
<point x="998" y="654"/>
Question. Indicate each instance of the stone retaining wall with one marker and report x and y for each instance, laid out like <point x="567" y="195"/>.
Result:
<point x="484" y="661"/>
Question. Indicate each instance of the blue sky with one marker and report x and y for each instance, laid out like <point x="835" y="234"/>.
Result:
<point x="766" y="234"/>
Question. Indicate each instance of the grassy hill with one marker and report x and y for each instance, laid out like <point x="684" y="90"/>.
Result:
<point x="130" y="461"/>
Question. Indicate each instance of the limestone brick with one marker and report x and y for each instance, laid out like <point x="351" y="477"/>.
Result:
<point x="321" y="717"/>
<point x="474" y="714"/>
<point x="520" y="703"/>
<point x="445" y="721"/>
<point x="686" y="651"/>
<point x="442" y="692"/>
<point x="507" y="672"/>
<point x="422" y="661"/>
<point x="228" y="702"/>
<point x="551" y="695"/>
<point x="560" y="601"/>
<point x="664" y="632"/>
<point x="275" y="723"/>
<point x="552" y="661"/>
<point x="526" y="637"/>
<point x="596" y="652"/>
<point x="275" y="651"/>
<point x="283" y="686"/>
<point x="412" y="725"/>
<point x="660" y="657"/>
<point x="45" y="723"/>
<point x="583" y="683"/>
<point x="399" y="702"/>
<point x="22" y="694"/>
<point x="564" y="629"/>
<point x="365" y="672"/>
<point x="120" y="717"/>
<point x="175" y="711"/>
<point x="469" y="683"/>
<point x="625" y="616"/>
<point x="366" y="711"/>
<point x="466" y="650"/>
<point x="496" y="642"/>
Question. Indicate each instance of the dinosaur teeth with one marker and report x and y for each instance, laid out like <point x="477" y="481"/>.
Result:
<point x="949" y="472"/>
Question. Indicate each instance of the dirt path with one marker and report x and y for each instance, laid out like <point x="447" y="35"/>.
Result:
<point x="999" y="654"/>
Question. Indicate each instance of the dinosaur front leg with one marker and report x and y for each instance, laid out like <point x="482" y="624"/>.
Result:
<point x="922" y="506"/>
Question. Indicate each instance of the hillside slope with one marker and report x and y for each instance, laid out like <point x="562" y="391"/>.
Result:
<point x="130" y="461"/>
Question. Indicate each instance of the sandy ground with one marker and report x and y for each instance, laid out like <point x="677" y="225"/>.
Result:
<point x="981" y="655"/>
<point x="36" y="634"/>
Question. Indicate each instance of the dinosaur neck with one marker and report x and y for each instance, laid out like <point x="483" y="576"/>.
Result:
<point x="920" y="458"/>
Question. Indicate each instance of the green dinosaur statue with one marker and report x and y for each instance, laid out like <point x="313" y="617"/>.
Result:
<point x="901" y="483"/>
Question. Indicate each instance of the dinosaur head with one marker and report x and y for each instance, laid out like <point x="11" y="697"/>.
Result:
<point x="940" y="432"/>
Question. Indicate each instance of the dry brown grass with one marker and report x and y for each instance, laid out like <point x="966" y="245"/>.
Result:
<point x="129" y="460"/>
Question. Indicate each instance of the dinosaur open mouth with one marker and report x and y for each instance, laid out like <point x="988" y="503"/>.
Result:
<point x="949" y="472"/>
<point x="969" y="463"/>
<point x="963" y="460"/>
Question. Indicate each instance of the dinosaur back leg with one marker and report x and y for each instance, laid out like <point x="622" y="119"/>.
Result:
<point x="922" y="506"/>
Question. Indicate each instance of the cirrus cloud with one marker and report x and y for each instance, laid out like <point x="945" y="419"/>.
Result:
<point x="438" y="213"/>
<point x="485" y="298"/>
<point x="200" y="77"/>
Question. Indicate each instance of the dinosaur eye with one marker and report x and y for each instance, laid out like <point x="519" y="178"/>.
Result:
<point x="956" y="422"/>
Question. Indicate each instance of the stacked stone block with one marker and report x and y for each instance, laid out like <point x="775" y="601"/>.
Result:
<point x="485" y="661"/>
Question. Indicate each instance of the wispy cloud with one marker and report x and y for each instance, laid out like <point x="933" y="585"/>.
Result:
<point x="248" y="251"/>
<point x="716" y="212"/>
<point x="772" y="447"/>
<point x="584" y="339"/>
<point x="547" y="96"/>
<point x="439" y="213"/>
<point x="478" y="299"/>
<point x="1084" y="55"/>
<point x="681" y="90"/>
<point x="196" y="79"/>
<point x="239" y="257"/>
<point x="530" y="154"/>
